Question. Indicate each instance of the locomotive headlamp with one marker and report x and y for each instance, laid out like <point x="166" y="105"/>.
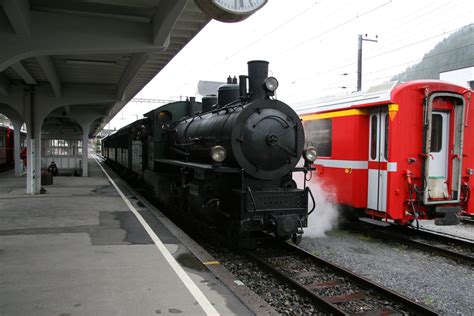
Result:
<point x="310" y="153"/>
<point x="218" y="153"/>
<point x="270" y="84"/>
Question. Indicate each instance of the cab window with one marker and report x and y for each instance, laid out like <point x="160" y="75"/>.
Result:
<point x="319" y="134"/>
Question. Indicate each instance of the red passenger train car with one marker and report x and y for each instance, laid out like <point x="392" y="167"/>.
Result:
<point x="397" y="153"/>
<point x="7" y="160"/>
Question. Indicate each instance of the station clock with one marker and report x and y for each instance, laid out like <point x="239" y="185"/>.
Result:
<point x="230" y="10"/>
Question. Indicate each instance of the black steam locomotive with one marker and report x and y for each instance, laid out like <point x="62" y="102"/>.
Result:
<point x="227" y="161"/>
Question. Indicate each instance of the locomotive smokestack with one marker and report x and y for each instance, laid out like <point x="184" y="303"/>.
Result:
<point x="243" y="87"/>
<point x="258" y="72"/>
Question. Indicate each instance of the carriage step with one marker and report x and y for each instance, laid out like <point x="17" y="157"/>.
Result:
<point x="374" y="222"/>
<point x="447" y="215"/>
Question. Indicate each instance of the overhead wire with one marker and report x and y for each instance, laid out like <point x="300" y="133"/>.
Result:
<point x="306" y="41"/>
<point x="401" y="27"/>
<point x="286" y="22"/>
<point x="349" y="81"/>
<point x="422" y="59"/>
<point x="415" y="43"/>
<point x="441" y="9"/>
<point x="313" y="74"/>
<point x="423" y="69"/>
<point x="302" y="12"/>
<point x="383" y="79"/>
<point x="394" y="49"/>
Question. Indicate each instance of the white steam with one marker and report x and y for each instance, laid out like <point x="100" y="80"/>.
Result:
<point x="325" y="215"/>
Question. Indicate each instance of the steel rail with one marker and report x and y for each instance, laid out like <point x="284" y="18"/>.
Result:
<point x="467" y="219"/>
<point x="444" y="237"/>
<point x="383" y="291"/>
<point x="328" y="303"/>
<point x="438" y="249"/>
<point x="302" y="289"/>
<point x="407" y="236"/>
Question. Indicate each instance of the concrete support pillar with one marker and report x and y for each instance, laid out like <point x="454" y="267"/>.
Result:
<point x="33" y="170"/>
<point x="17" y="149"/>
<point x="38" y="158"/>
<point x="30" y="148"/>
<point x="85" y="151"/>
<point x="30" y="169"/>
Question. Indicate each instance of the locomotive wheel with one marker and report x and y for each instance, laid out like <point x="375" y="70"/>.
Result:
<point x="296" y="239"/>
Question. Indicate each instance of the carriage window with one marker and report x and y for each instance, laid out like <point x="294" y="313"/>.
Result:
<point x="319" y="134"/>
<point x="436" y="133"/>
<point x="373" y="138"/>
<point x="385" y="150"/>
<point x="61" y="147"/>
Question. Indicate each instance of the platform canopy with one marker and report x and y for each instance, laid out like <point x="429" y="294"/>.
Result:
<point x="85" y="59"/>
<point x="67" y="67"/>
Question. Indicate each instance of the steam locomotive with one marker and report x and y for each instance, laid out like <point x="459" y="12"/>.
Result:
<point x="227" y="161"/>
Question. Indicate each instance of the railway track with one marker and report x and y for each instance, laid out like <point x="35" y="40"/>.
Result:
<point x="449" y="246"/>
<point x="334" y="289"/>
<point x="467" y="219"/>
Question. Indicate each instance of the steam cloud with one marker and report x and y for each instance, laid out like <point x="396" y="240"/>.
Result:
<point x="325" y="216"/>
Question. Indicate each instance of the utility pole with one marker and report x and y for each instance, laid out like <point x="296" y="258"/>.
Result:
<point x="359" y="59"/>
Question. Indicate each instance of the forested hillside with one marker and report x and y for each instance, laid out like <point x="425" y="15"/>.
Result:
<point x="454" y="52"/>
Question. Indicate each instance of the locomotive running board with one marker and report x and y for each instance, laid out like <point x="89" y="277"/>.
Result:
<point x="374" y="222"/>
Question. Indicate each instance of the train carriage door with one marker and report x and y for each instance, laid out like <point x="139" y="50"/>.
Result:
<point x="378" y="158"/>
<point x="438" y="166"/>
<point x="443" y="148"/>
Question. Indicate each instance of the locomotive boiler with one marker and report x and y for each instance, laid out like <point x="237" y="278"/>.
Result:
<point x="228" y="161"/>
<point x="262" y="136"/>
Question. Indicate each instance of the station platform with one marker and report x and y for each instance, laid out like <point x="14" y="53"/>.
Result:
<point x="80" y="249"/>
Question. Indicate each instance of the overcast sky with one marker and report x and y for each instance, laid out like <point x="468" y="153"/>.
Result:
<point x="311" y="47"/>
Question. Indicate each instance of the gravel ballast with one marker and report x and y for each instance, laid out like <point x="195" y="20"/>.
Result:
<point x="281" y="297"/>
<point x="436" y="281"/>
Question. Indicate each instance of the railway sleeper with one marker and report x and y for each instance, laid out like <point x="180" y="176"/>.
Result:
<point x="386" y="311"/>
<point x="321" y="285"/>
<point x="346" y="297"/>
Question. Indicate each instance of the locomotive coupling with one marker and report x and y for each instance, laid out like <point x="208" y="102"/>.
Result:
<point x="286" y="225"/>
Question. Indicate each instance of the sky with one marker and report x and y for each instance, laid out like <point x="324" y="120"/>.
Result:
<point x="311" y="46"/>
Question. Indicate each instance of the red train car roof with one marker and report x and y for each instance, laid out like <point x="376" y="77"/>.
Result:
<point x="377" y="95"/>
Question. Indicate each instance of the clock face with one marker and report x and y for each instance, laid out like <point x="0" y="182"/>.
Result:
<point x="240" y="6"/>
<point x="230" y="10"/>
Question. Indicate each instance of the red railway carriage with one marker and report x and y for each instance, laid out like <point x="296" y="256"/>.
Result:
<point x="399" y="152"/>
<point x="6" y="147"/>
